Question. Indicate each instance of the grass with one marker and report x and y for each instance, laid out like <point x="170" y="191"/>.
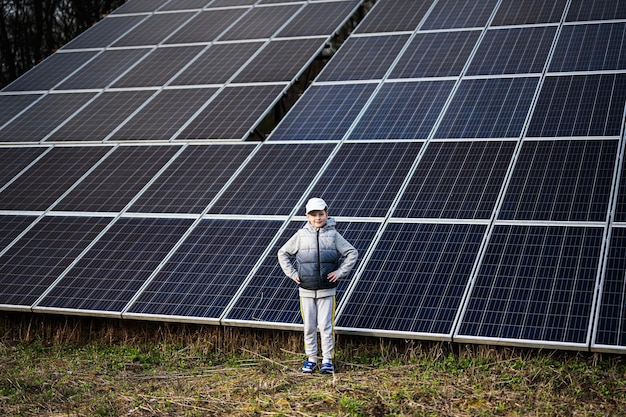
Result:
<point x="78" y="367"/>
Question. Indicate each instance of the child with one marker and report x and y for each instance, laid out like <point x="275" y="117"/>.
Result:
<point x="318" y="248"/>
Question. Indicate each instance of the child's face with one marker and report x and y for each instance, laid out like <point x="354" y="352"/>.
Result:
<point x="317" y="218"/>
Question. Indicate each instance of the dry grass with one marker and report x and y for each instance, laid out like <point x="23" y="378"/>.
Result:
<point x="80" y="367"/>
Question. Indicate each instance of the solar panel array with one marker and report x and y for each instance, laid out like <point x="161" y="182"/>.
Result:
<point x="471" y="151"/>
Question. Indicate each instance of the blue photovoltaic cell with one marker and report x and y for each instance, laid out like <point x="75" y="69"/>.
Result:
<point x="261" y="22"/>
<point x="450" y="14"/>
<point x="164" y="115"/>
<point x="590" y="48"/>
<point x="50" y="72"/>
<point x="535" y="283"/>
<point x="403" y="111"/>
<point x="155" y="29"/>
<point x="620" y="206"/>
<point x="113" y="270"/>
<point x="324" y="112"/>
<point x="580" y="10"/>
<point x="217" y="64"/>
<point x="35" y="261"/>
<point x="580" y="105"/>
<point x="234" y="113"/>
<point x="320" y="19"/>
<point x="363" y="58"/>
<point x="207" y="26"/>
<point x="513" y="51"/>
<point x="105" y="32"/>
<point x="44" y="182"/>
<point x="280" y="61"/>
<point x="270" y="296"/>
<point x="158" y="67"/>
<point x="515" y="12"/>
<point x="11" y="227"/>
<point x="456" y="180"/>
<point x="118" y="179"/>
<point x="611" y="324"/>
<point x="414" y="279"/>
<point x="206" y="271"/>
<point x="104" y="69"/>
<point x="11" y="105"/>
<point x="273" y="181"/>
<point x="228" y="3"/>
<point x="394" y="16"/>
<point x="184" y="5"/>
<point x="40" y="119"/>
<point x="436" y="54"/>
<point x="194" y="178"/>
<point x="488" y="108"/>
<point x="561" y="181"/>
<point x="101" y="116"/>
<point x="14" y="160"/>
<point x="362" y="180"/>
<point x="139" y="6"/>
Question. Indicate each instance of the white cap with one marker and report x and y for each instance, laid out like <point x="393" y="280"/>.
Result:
<point x="315" y="204"/>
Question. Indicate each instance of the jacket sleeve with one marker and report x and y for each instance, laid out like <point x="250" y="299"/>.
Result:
<point x="289" y="249"/>
<point x="349" y="253"/>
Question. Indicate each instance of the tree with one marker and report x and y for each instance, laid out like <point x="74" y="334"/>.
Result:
<point x="30" y="30"/>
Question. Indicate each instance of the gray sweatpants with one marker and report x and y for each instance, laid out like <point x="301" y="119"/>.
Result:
<point x="318" y="313"/>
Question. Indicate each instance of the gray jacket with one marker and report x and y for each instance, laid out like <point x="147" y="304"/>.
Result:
<point x="317" y="252"/>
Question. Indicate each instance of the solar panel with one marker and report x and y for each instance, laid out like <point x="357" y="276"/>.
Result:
<point x="363" y="179"/>
<point x="164" y="115"/>
<point x="488" y="108"/>
<point x="415" y="279"/>
<point x="561" y="181"/>
<point x="112" y="185"/>
<point x="14" y="160"/>
<point x="272" y="297"/>
<point x="609" y="328"/>
<point x="271" y="183"/>
<point x="51" y="71"/>
<point x="101" y="116"/>
<point x="105" y="32"/>
<point x="363" y="58"/>
<point x="155" y="29"/>
<point x="581" y="10"/>
<point x="12" y="105"/>
<point x="184" y="5"/>
<point x="437" y="54"/>
<point x="590" y="48"/>
<point x="41" y="118"/>
<point x="280" y="61"/>
<point x="318" y="19"/>
<point x="139" y="6"/>
<point x="513" y="51"/>
<point x="217" y="64"/>
<point x="513" y="12"/>
<point x="394" y="16"/>
<point x="34" y="262"/>
<point x="450" y="14"/>
<point x="44" y="182"/>
<point x="233" y="113"/>
<point x="407" y="110"/>
<point x="106" y="277"/>
<point x="193" y="179"/>
<point x="158" y="67"/>
<point x="204" y="273"/>
<point x="206" y="26"/>
<point x="11" y="226"/>
<point x="324" y="112"/>
<point x="535" y="284"/>
<point x="580" y="105"/>
<point x="261" y="22"/>
<point x="104" y="69"/>
<point x="456" y="180"/>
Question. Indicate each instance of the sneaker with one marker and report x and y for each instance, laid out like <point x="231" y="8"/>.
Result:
<point x="308" y="367"/>
<point x="327" y="368"/>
